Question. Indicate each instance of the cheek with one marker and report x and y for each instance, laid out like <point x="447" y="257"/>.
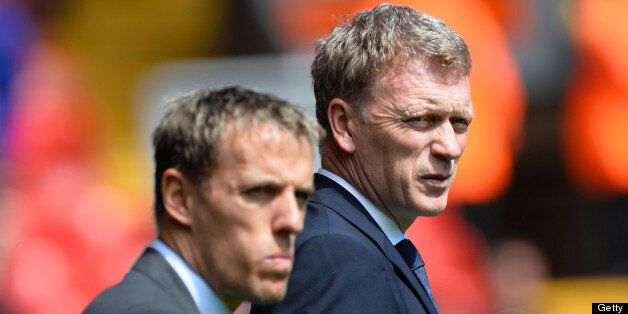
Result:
<point x="233" y="254"/>
<point x="400" y="157"/>
<point x="462" y="141"/>
<point x="252" y="235"/>
<point x="230" y="232"/>
<point x="370" y="153"/>
<point x="412" y="155"/>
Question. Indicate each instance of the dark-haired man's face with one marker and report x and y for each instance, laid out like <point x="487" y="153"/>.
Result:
<point x="250" y="211"/>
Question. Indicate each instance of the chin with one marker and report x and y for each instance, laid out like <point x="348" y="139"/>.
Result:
<point x="431" y="207"/>
<point x="270" y="295"/>
<point x="433" y="212"/>
<point x="269" y="299"/>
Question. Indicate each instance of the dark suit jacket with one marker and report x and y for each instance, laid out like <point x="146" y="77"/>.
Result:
<point x="344" y="263"/>
<point x="151" y="286"/>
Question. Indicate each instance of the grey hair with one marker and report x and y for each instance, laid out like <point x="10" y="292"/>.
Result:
<point x="188" y="136"/>
<point x="349" y="61"/>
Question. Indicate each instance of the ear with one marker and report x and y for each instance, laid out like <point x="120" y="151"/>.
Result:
<point x="177" y="193"/>
<point x="340" y="117"/>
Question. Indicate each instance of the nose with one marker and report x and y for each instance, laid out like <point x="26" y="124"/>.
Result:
<point x="288" y="216"/>
<point x="445" y="144"/>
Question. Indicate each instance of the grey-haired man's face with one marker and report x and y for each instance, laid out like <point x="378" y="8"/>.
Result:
<point x="411" y="140"/>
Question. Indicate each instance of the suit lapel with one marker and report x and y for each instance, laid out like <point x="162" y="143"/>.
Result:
<point x="154" y="266"/>
<point x="336" y="198"/>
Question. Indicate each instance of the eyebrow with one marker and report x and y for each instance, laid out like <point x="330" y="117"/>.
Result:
<point x="272" y="182"/>
<point x="305" y="189"/>
<point x="437" y="107"/>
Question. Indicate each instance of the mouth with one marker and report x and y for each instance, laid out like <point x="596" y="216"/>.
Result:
<point x="280" y="264"/>
<point x="436" y="180"/>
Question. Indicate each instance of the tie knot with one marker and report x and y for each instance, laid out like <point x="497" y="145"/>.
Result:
<point x="410" y="254"/>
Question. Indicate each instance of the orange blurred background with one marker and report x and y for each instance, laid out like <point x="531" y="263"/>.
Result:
<point x="538" y="214"/>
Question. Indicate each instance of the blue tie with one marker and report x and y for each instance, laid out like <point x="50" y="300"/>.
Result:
<point x="412" y="257"/>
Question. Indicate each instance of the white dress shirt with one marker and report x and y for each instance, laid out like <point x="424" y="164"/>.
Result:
<point x="390" y="228"/>
<point x="204" y="297"/>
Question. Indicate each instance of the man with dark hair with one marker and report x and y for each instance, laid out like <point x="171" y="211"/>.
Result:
<point x="233" y="174"/>
<point x="392" y="91"/>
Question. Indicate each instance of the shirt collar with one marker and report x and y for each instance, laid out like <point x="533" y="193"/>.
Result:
<point x="390" y="228"/>
<point x="204" y="297"/>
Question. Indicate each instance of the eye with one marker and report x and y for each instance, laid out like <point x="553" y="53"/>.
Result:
<point x="421" y="122"/>
<point x="460" y="125"/>
<point x="261" y="192"/>
<point x="302" y="198"/>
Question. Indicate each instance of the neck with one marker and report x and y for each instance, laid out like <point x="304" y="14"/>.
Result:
<point x="343" y="166"/>
<point x="179" y="239"/>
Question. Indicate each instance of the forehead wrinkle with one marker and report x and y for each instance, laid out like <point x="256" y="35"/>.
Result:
<point x="448" y="108"/>
<point x="397" y="79"/>
<point x="431" y="106"/>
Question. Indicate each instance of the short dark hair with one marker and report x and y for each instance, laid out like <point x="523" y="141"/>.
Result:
<point x="188" y="136"/>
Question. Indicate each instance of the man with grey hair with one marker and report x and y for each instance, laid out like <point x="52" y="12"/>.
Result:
<point x="233" y="175"/>
<point x="392" y="91"/>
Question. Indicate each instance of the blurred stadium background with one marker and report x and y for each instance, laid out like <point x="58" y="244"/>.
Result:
<point x="539" y="212"/>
